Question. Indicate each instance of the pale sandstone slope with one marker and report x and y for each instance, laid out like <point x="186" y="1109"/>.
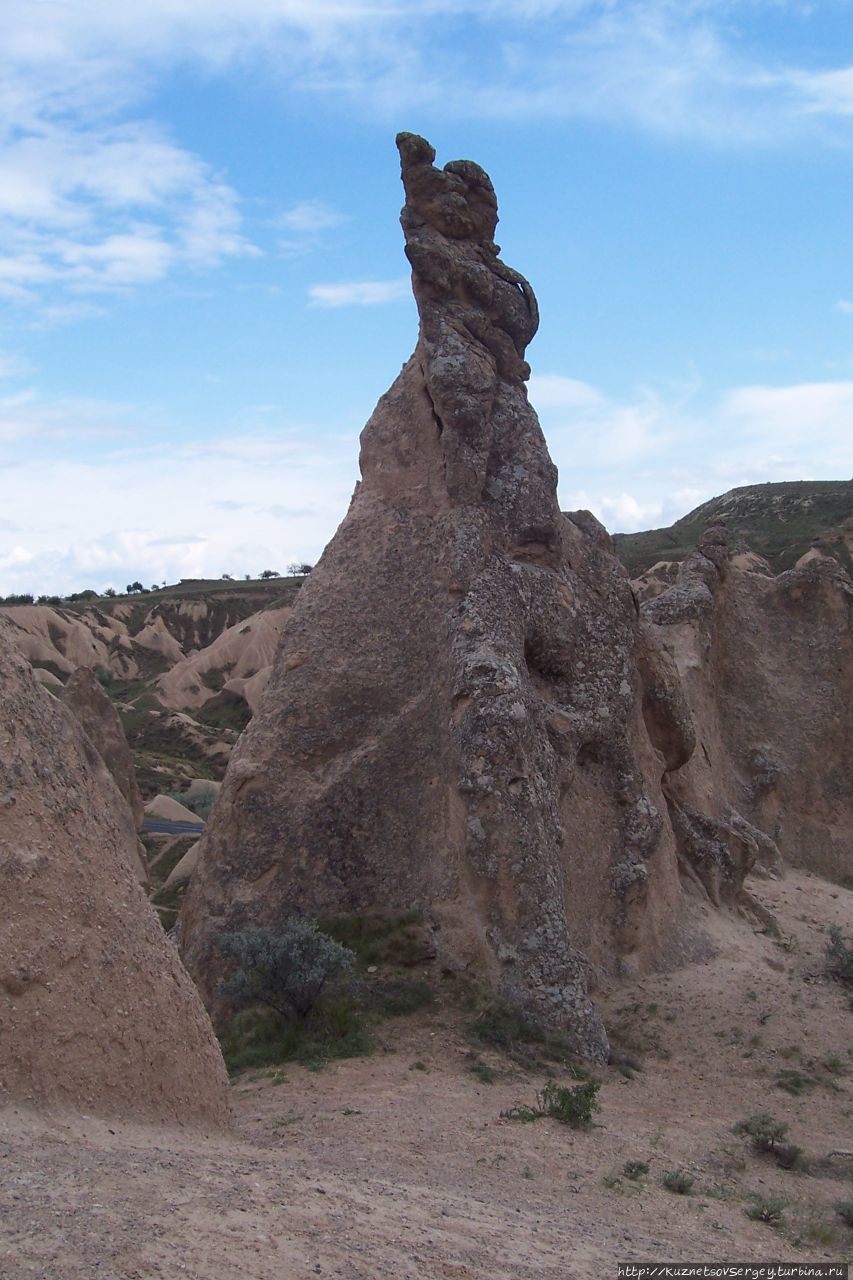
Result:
<point x="96" y="1010"/>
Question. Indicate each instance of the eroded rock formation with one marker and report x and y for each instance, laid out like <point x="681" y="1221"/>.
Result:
<point x="455" y="721"/>
<point x="766" y="666"/>
<point x="100" y="720"/>
<point x="96" y="1010"/>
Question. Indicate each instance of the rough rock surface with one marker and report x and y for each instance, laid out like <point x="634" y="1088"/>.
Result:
<point x="766" y="665"/>
<point x="100" y="720"/>
<point x="97" y="1013"/>
<point x="454" y="721"/>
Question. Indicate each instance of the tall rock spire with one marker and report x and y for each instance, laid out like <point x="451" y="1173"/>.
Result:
<point x="454" y="721"/>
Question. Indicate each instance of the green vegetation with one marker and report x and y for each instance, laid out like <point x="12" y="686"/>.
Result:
<point x="778" y="521"/>
<point x="839" y="952"/>
<point x="225" y="711"/>
<point x="395" y="996"/>
<point x="678" y="1181"/>
<point x="200" y="802"/>
<point x="635" y="1169"/>
<point x="769" y="1209"/>
<point x="382" y="939"/>
<point x="794" y="1081"/>
<point x="287" y="971"/>
<point x="844" y="1209"/>
<point x="259" y="1036"/>
<point x="768" y="1136"/>
<point x="572" y="1106"/>
<point x="294" y="995"/>
<point x="527" y="1043"/>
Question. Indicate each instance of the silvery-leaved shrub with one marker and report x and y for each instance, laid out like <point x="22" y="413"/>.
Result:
<point x="288" y="970"/>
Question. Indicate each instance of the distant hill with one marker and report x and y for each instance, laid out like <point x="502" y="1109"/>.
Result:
<point x="779" y="521"/>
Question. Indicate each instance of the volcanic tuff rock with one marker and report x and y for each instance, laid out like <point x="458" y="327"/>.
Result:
<point x="96" y="1010"/>
<point x="102" y="723"/>
<point x="100" y="720"/>
<point x="455" y="719"/>
<point x="766" y="665"/>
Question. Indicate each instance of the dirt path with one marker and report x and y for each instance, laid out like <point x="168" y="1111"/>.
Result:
<point x="378" y="1168"/>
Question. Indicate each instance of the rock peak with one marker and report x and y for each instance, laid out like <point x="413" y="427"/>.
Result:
<point x="477" y="314"/>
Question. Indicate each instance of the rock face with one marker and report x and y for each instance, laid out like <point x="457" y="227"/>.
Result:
<point x="101" y="721"/>
<point x="455" y="719"/>
<point x="766" y="665"/>
<point x="96" y="1011"/>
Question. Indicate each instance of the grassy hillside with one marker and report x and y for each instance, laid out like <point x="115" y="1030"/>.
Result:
<point x="779" y="521"/>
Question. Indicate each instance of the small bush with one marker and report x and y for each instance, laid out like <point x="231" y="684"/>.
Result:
<point x="769" y="1209"/>
<point x="525" y="1041"/>
<point x="677" y="1181"/>
<point x="844" y="1209"/>
<point x="765" y="1132"/>
<point x="574" y="1107"/>
<point x="484" y="1073"/>
<point x="394" y="997"/>
<point x="383" y="938"/>
<point x="839" y="951"/>
<point x="200" y="803"/>
<point x="794" y="1081"/>
<point x="286" y="971"/>
<point x="635" y="1169"/>
<point x="260" y="1037"/>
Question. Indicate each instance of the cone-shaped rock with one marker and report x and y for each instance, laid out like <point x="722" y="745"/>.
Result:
<point x="97" y="1013"/>
<point x="454" y="720"/>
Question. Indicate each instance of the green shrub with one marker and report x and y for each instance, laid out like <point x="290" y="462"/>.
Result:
<point x="504" y="1027"/>
<point x="769" y="1209"/>
<point x="484" y="1073"/>
<point x="286" y="971"/>
<point x="839" y="951"/>
<point x="382" y="938"/>
<point x="677" y="1181"/>
<point x="635" y="1169"/>
<point x="794" y="1081"/>
<point x="765" y="1132"/>
<point x="260" y="1037"/>
<point x="396" y="996"/>
<point x="844" y="1209"/>
<point x="200" y="803"/>
<point x="768" y="1136"/>
<point x="573" y="1107"/>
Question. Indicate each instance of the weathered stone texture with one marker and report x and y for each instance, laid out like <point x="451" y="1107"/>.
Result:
<point x="766" y="665"/>
<point x="97" y="1013"/>
<point x="454" y="720"/>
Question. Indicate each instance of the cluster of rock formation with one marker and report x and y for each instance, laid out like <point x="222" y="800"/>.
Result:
<point x="97" y="1012"/>
<point x="470" y="714"/>
<point x="766" y="666"/>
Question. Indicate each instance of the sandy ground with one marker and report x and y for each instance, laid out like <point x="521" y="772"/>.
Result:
<point x="378" y="1168"/>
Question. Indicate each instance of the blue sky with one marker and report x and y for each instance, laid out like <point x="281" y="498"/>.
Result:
<point x="203" y="290"/>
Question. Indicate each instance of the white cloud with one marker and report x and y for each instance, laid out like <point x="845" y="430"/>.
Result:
<point x="235" y="503"/>
<point x="844" y="305"/>
<point x="309" y="217"/>
<point x="92" y="201"/>
<point x="93" y="209"/>
<point x="358" y="293"/>
<point x="13" y="366"/>
<point x="649" y="459"/>
<point x="251" y="499"/>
